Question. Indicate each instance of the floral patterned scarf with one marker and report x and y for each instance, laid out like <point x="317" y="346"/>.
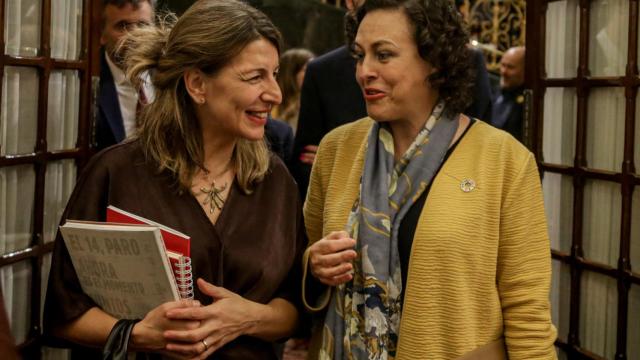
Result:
<point x="363" y="318"/>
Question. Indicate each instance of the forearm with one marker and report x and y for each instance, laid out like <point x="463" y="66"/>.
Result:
<point x="90" y="329"/>
<point x="524" y="270"/>
<point x="276" y="320"/>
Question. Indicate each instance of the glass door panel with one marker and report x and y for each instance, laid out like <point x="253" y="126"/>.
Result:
<point x="633" y="334"/>
<point x="16" y="289"/>
<point x="66" y="29"/>
<point x="601" y="231"/>
<point x="559" y="136"/>
<point x="598" y="314"/>
<point x="19" y="119"/>
<point x="558" y="203"/>
<point x="59" y="182"/>
<point x="562" y="38"/>
<point x="17" y="191"/>
<point x="605" y="129"/>
<point x="608" y="37"/>
<point x="22" y="27"/>
<point x="64" y="109"/>
<point x="635" y="231"/>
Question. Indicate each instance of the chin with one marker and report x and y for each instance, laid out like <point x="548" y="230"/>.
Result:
<point x="254" y="135"/>
<point x="378" y="116"/>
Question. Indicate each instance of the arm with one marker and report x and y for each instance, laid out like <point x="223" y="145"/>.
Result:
<point x="70" y="313"/>
<point x="524" y="268"/>
<point x="93" y="327"/>
<point x="327" y="258"/>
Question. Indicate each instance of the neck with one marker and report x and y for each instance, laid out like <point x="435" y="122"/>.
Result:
<point x="405" y="131"/>
<point x="218" y="151"/>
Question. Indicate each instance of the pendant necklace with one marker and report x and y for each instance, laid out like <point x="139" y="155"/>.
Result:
<point x="213" y="195"/>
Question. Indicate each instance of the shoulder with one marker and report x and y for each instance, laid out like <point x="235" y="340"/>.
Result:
<point x="348" y="134"/>
<point x="116" y="157"/>
<point x="279" y="173"/>
<point x="343" y="144"/>
<point x="497" y="146"/>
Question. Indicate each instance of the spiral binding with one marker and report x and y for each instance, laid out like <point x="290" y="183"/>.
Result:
<point x="184" y="277"/>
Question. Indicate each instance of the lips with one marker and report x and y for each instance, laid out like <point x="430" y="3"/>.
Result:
<point x="258" y="117"/>
<point x="373" y="94"/>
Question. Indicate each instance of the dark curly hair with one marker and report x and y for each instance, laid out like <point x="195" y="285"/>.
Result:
<point x="441" y="38"/>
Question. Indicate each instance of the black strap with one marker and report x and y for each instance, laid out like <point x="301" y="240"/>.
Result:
<point x="118" y="341"/>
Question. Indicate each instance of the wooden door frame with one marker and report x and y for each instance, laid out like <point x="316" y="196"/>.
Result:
<point x="628" y="178"/>
<point x="40" y="157"/>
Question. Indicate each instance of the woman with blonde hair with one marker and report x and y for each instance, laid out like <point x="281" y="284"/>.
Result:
<point x="293" y="64"/>
<point x="198" y="165"/>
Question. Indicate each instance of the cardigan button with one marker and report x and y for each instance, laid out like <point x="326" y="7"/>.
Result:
<point x="467" y="185"/>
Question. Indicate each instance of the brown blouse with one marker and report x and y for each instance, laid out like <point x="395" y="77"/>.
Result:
<point x="254" y="249"/>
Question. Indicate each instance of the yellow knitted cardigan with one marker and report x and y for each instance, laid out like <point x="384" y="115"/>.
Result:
<point x="480" y="264"/>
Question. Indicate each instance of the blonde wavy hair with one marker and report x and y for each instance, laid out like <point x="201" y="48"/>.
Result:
<point x="206" y="37"/>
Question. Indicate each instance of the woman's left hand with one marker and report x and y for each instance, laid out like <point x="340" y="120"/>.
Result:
<point x="229" y="316"/>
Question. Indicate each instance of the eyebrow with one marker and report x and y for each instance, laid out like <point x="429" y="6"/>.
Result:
<point x="243" y="73"/>
<point x="378" y="43"/>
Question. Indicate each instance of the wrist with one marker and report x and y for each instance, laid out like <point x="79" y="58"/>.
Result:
<point x="257" y="317"/>
<point x="134" y="339"/>
<point x="139" y="339"/>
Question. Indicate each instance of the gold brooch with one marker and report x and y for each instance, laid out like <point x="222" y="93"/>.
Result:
<point x="467" y="185"/>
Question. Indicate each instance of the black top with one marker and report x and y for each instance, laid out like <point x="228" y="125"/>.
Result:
<point x="409" y="223"/>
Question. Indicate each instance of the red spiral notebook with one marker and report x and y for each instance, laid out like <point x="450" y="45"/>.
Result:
<point x="177" y="244"/>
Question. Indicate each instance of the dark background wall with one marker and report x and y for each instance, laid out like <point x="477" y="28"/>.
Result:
<point x="303" y="23"/>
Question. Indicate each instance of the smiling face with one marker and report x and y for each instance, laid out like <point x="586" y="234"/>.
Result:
<point x="240" y="95"/>
<point x="390" y="71"/>
<point x="512" y="68"/>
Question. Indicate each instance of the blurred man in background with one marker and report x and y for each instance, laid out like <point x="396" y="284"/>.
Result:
<point x="508" y="106"/>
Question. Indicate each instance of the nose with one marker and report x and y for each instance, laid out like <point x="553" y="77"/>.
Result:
<point x="365" y="70"/>
<point x="272" y="93"/>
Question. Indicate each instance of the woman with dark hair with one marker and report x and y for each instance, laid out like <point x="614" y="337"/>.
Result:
<point x="427" y="228"/>
<point x="199" y="165"/>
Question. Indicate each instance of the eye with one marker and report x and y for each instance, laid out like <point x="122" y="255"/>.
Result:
<point x="383" y="55"/>
<point x="357" y="55"/>
<point x="121" y="26"/>
<point x="252" y="78"/>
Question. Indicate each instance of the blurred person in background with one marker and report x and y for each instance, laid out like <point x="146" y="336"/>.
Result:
<point x="508" y="107"/>
<point x="119" y="103"/>
<point x="293" y="64"/>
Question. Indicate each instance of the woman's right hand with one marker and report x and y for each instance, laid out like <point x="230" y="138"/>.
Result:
<point x="330" y="258"/>
<point x="148" y="334"/>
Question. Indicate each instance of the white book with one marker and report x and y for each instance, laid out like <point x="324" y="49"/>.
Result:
<point x="123" y="268"/>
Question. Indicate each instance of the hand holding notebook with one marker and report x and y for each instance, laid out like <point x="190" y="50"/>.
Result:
<point x="125" y="268"/>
